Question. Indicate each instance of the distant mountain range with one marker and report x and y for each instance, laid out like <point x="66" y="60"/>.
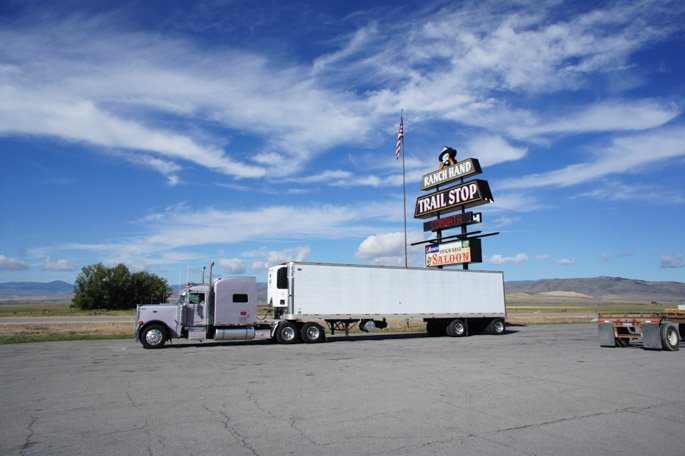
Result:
<point x="605" y="288"/>
<point x="36" y="291"/>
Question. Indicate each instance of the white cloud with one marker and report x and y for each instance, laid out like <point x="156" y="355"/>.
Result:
<point x="672" y="261"/>
<point x="567" y="261"/>
<point x="11" y="264"/>
<point x="490" y="150"/>
<point x="388" y="248"/>
<point x="499" y="259"/>
<point x="58" y="265"/>
<point x="275" y="257"/>
<point x="604" y="258"/>
<point x="232" y="266"/>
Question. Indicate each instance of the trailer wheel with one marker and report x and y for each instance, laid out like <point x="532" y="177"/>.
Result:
<point x="435" y="328"/>
<point x="154" y="336"/>
<point x="312" y="333"/>
<point x="621" y="342"/>
<point x="456" y="328"/>
<point x="287" y="333"/>
<point x="669" y="338"/>
<point x="496" y="326"/>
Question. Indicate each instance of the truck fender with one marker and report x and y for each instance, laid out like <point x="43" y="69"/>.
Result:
<point x="170" y="333"/>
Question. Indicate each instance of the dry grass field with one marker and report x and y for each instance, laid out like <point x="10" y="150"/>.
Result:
<point x="521" y="310"/>
<point x="53" y="309"/>
<point x="64" y="331"/>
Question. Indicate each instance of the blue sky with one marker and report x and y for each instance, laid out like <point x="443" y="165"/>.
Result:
<point x="167" y="135"/>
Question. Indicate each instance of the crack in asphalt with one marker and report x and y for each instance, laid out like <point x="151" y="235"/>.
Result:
<point x="233" y="431"/>
<point x="27" y="443"/>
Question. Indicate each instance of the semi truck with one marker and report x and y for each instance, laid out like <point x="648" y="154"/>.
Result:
<point x="655" y="330"/>
<point x="304" y="298"/>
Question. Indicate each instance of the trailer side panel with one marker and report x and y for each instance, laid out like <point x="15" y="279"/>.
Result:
<point x="335" y="291"/>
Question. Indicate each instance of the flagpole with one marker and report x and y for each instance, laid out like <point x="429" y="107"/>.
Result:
<point x="404" y="191"/>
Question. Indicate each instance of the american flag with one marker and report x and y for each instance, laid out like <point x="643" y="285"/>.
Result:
<point x="400" y="135"/>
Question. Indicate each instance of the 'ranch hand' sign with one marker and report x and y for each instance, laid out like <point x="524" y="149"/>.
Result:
<point x="445" y="175"/>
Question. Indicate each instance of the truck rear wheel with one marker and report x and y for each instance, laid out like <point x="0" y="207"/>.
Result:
<point x="154" y="336"/>
<point x="669" y="338"/>
<point x="435" y="328"/>
<point x="496" y="326"/>
<point x="287" y="333"/>
<point x="312" y="333"/>
<point x="456" y="328"/>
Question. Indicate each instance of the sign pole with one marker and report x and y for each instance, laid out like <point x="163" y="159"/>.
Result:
<point x="404" y="194"/>
<point x="465" y="266"/>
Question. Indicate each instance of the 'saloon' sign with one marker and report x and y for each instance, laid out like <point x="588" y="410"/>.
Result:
<point x="451" y="253"/>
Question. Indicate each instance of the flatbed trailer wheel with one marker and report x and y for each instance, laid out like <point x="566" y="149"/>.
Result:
<point x="154" y="336"/>
<point x="669" y="338"/>
<point x="456" y="328"/>
<point x="496" y="326"/>
<point x="287" y="333"/>
<point x="312" y="333"/>
<point x="622" y="342"/>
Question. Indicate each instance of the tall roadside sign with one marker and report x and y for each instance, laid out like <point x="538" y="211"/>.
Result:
<point x="463" y="248"/>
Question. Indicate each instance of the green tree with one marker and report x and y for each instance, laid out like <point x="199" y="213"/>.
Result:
<point x="149" y="288"/>
<point x="100" y="287"/>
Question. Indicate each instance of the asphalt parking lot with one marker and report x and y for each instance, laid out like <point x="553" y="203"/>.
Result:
<point x="536" y="390"/>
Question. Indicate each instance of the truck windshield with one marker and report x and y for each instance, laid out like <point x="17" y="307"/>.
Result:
<point x="182" y="299"/>
<point x="196" y="298"/>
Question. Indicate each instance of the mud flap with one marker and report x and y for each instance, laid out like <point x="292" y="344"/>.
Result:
<point x="606" y="335"/>
<point x="651" y="336"/>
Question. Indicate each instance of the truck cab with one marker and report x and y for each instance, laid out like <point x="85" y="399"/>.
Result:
<point x="224" y="310"/>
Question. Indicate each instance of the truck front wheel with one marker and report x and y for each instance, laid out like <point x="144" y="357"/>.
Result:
<point x="312" y="333"/>
<point x="154" y="336"/>
<point x="287" y="333"/>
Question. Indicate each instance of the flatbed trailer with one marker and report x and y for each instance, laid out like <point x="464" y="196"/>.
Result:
<point x="656" y="330"/>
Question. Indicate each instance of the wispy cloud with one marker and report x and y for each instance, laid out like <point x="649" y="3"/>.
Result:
<point x="116" y="89"/>
<point x="172" y="233"/>
<point x="625" y="154"/>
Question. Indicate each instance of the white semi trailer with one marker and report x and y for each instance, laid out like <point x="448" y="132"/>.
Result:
<point x="305" y="297"/>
